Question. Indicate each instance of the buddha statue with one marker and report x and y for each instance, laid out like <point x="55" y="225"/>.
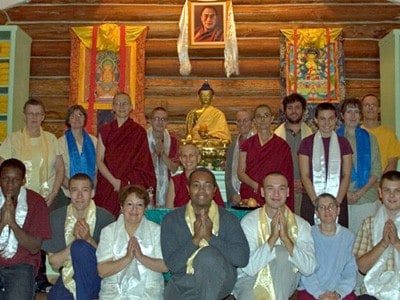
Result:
<point x="207" y="122"/>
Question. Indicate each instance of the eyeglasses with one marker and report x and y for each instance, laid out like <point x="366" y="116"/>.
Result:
<point x="32" y="115"/>
<point x="264" y="116"/>
<point x="330" y="207"/>
<point x="123" y="104"/>
<point x="242" y="121"/>
<point x="158" y="119"/>
<point x="76" y="116"/>
<point x="370" y="105"/>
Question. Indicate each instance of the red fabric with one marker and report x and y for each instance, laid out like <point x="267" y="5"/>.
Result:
<point x="182" y="194"/>
<point x="37" y="224"/>
<point x="273" y="156"/>
<point x="128" y="158"/>
<point x="173" y="154"/>
<point x="304" y="295"/>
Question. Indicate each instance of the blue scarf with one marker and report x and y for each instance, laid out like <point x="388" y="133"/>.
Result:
<point x="363" y="150"/>
<point x="84" y="162"/>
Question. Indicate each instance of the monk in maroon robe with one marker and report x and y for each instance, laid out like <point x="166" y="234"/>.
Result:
<point x="123" y="156"/>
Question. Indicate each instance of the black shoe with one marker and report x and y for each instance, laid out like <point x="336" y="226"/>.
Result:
<point x="43" y="286"/>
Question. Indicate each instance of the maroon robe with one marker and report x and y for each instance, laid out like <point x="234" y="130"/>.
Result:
<point x="128" y="158"/>
<point x="273" y="156"/>
<point x="182" y="194"/>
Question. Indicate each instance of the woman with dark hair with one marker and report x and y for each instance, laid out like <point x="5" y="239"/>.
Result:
<point x="129" y="254"/>
<point x="78" y="147"/>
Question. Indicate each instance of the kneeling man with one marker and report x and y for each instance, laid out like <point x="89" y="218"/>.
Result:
<point x="75" y="233"/>
<point x="281" y="246"/>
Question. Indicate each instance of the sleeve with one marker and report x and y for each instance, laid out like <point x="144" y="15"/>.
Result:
<point x="345" y="147"/>
<point x="176" y="242"/>
<point x="39" y="224"/>
<point x="260" y="255"/>
<point x="54" y="142"/>
<point x="231" y="237"/>
<point x="6" y="148"/>
<point x="348" y="276"/>
<point x="303" y="253"/>
<point x="393" y="147"/>
<point x="104" y="250"/>
<point x="62" y="144"/>
<point x="57" y="241"/>
<point x="363" y="243"/>
<point x="157" y="242"/>
<point x="305" y="147"/>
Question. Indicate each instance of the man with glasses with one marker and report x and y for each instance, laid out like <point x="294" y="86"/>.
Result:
<point x="209" y="31"/>
<point x="232" y="183"/>
<point x="377" y="246"/>
<point x="164" y="152"/>
<point x="261" y="154"/>
<point x="281" y="246"/>
<point x="389" y="146"/>
<point x="293" y="130"/>
<point x="122" y="155"/>
<point x="202" y="244"/>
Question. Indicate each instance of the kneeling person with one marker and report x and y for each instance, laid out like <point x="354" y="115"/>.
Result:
<point x="281" y="246"/>
<point x="75" y="232"/>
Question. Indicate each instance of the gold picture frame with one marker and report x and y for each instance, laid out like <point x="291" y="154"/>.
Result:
<point x="208" y="23"/>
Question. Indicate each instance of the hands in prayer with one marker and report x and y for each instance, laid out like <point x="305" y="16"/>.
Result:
<point x="202" y="227"/>
<point x="279" y="229"/>
<point x="390" y="236"/>
<point x="8" y="214"/>
<point x="82" y="230"/>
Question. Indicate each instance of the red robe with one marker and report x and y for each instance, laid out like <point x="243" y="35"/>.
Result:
<point x="182" y="194"/>
<point x="273" y="156"/>
<point x="128" y="158"/>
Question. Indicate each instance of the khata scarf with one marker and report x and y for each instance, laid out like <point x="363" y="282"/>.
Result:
<point x="384" y="285"/>
<point x="8" y="241"/>
<point x="326" y="182"/>
<point x="160" y="167"/>
<point x="363" y="150"/>
<point x="26" y="158"/>
<point x="70" y="220"/>
<point x="84" y="162"/>
<point x="304" y="130"/>
<point x="190" y="218"/>
<point x="264" y="287"/>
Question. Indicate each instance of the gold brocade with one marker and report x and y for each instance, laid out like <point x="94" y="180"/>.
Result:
<point x="27" y="159"/>
<point x="190" y="218"/>
<point x="264" y="287"/>
<point x="315" y="37"/>
<point x="108" y="37"/>
<point x="70" y="221"/>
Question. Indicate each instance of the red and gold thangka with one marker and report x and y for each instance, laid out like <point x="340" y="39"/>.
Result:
<point x="116" y="64"/>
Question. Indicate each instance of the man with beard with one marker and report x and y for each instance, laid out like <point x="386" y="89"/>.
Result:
<point x="293" y="131"/>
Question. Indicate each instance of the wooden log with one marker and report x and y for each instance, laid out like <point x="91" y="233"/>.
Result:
<point x="181" y="2"/>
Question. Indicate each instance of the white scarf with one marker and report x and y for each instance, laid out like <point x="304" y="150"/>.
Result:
<point x="235" y="160"/>
<point x="8" y="241"/>
<point x="326" y="182"/>
<point x="160" y="166"/>
<point x="384" y="285"/>
<point x="129" y="279"/>
<point x="305" y="130"/>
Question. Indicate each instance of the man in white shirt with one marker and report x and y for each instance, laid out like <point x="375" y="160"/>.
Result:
<point x="281" y="246"/>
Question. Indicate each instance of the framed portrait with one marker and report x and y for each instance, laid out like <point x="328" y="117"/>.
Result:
<point x="207" y="23"/>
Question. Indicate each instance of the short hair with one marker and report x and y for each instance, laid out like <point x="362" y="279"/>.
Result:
<point x="138" y="190"/>
<point x="325" y="195"/>
<point x="81" y="177"/>
<point x="391" y="176"/>
<point x="34" y="102"/>
<point x="275" y="173"/>
<point x="325" y="106"/>
<point x="119" y="94"/>
<point x="189" y="144"/>
<point x="209" y="7"/>
<point x="262" y="106"/>
<point x="351" y="102"/>
<point x="295" y="97"/>
<point x="158" y="108"/>
<point x="13" y="163"/>
<point x="203" y="170"/>
<point x="370" y="95"/>
<point x="71" y="110"/>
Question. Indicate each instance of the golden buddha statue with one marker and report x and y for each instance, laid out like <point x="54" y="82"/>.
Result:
<point x="207" y="122"/>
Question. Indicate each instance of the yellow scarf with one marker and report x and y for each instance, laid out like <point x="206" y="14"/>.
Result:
<point x="27" y="157"/>
<point x="190" y="218"/>
<point x="264" y="287"/>
<point x="70" y="221"/>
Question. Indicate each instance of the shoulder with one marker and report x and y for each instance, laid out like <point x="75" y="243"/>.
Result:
<point x="174" y="216"/>
<point x="227" y="215"/>
<point x="346" y="233"/>
<point x="151" y="225"/>
<point x="104" y="215"/>
<point x="251" y="217"/>
<point x="302" y="223"/>
<point x="50" y="135"/>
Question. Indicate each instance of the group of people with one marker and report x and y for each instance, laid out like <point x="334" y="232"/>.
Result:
<point x="82" y="200"/>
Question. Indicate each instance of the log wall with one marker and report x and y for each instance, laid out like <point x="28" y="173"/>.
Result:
<point x="258" y="23"/>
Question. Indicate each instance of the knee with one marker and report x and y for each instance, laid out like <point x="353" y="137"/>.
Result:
<point x="80" y="249"/>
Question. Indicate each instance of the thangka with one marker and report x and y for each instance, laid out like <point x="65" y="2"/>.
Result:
<point x="312" y="64"/>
